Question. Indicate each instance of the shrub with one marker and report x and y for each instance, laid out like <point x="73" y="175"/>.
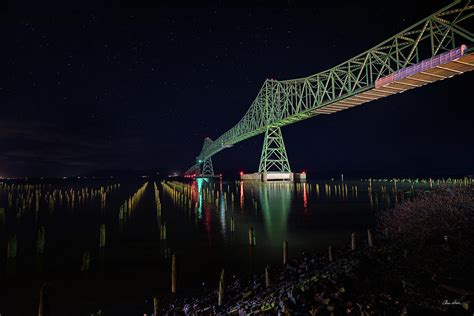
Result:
<point x="436" y="230"/>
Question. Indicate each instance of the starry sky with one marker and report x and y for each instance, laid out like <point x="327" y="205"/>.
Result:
<point x="139" y="85"/>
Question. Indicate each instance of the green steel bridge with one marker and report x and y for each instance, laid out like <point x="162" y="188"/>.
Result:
<point x="435" y="48"/>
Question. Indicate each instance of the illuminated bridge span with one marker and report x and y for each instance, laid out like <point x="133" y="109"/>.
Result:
<point x="435" y="48"/>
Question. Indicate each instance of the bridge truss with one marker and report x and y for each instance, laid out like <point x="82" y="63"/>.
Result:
<point x="437" y="47"/>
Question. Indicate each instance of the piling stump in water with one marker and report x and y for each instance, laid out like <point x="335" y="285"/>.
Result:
<point x="353" y="241"/>
<point x="86" y="257"/>
<point x="220" y="294"/>
<point x="42" y="303"/>
<point x="102" y="236"/>
<point x="285" y="252"/>
<point x="370" y="238"/>
<point x="267" y="276"/>
<point x="167" y="252"/>
<point x="12" y="248"/>
<point x="232" y="224"/>
<point x="173" y="274"/>
<point x="163" y="231"/>
<point x="155" y="306"/>
<point x="40" y="241"/>
<point x="121" y="213"/>
<point x="330" y="254"/>
<point x="252" y="239"/>
<point x="2" y="216"/>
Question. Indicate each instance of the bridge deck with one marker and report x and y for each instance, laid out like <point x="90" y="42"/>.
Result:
<point x="440" y="67"/>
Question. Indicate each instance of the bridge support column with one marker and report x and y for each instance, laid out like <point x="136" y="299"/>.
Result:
<point x="274" y="164"/>
<point x="207" y="168"/>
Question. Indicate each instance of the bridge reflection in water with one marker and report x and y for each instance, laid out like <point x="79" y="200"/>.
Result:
<point x="202" y="213"/>
<point x="275" y="199"/>
<point x="217" y="205"/>
<point x="269" y="201"/>
<point x="281" y="210"/>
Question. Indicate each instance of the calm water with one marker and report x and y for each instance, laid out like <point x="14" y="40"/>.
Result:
<point x="134" y="265"/>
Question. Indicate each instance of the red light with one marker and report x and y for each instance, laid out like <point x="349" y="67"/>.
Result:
<point x="241" y="172"/>
<point x="304" y="172"/>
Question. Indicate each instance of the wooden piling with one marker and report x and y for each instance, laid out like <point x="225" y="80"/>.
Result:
<point x="2" y="215"/>
<point x="121" y="213"/>
<point x="232" y="224"/>
<point x="353" y="241"/>
<point x="12" y="248"/>
<point x="252" y="239"/>
<point x="155" y="306"/>
<point x="102" y="236"/>
<point x="267" y="276"/>
<point x="220" y="294"/>
<point x="40" y="241"/>
<point x="163" y="231"/>
<point x="41" y="303"/>
<point x="370" y="238"/>
<point x="85" y="261"/>
<point x="173" y="274"/>
<point x="285" y="252"/>
<point x="330" y="254"/>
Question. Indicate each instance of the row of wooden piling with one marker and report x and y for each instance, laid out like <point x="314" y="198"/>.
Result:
<point x="221" y="285"/>
<point x="129" y="205"/>
<point x="183" y="195"/>
<point x="28" y="197"/>
<point x="12" y="245"/>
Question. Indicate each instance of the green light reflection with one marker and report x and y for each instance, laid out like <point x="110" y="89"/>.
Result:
<point x="275" y="199"/>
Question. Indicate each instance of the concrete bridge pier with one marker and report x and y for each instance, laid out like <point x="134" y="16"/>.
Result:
<point x="274" y="176"/>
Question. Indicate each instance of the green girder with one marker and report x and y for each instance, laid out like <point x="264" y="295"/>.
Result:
<point x="207" y="168"/>
<point x="279" y="103"/>
<point x="274" y="157"/>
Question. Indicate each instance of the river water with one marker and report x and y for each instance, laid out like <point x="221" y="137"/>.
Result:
<point x="207" y="223"/>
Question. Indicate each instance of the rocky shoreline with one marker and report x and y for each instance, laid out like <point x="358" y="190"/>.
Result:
<point x="366" y="281"/>
<point x="307" y="285"/>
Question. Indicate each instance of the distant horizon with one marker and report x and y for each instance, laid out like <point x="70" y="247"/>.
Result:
<point x="234" y="174"/>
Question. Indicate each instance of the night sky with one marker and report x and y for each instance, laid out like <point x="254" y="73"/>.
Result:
<point x="134" y="85"/>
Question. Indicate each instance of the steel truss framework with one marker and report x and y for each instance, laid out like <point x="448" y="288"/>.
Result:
<point x="274" y="157"/>
<point x="279" y="103"/>
<point x="207" y="168"/>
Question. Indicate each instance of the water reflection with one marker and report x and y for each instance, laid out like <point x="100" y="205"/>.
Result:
<point x="206" y="201"/>
<point x="305" y="197"/>
<point x="222" y="210"/>
<point x="207" y="223"/>
<point x="200" y="194"/>
<point x="275" y="202"/>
